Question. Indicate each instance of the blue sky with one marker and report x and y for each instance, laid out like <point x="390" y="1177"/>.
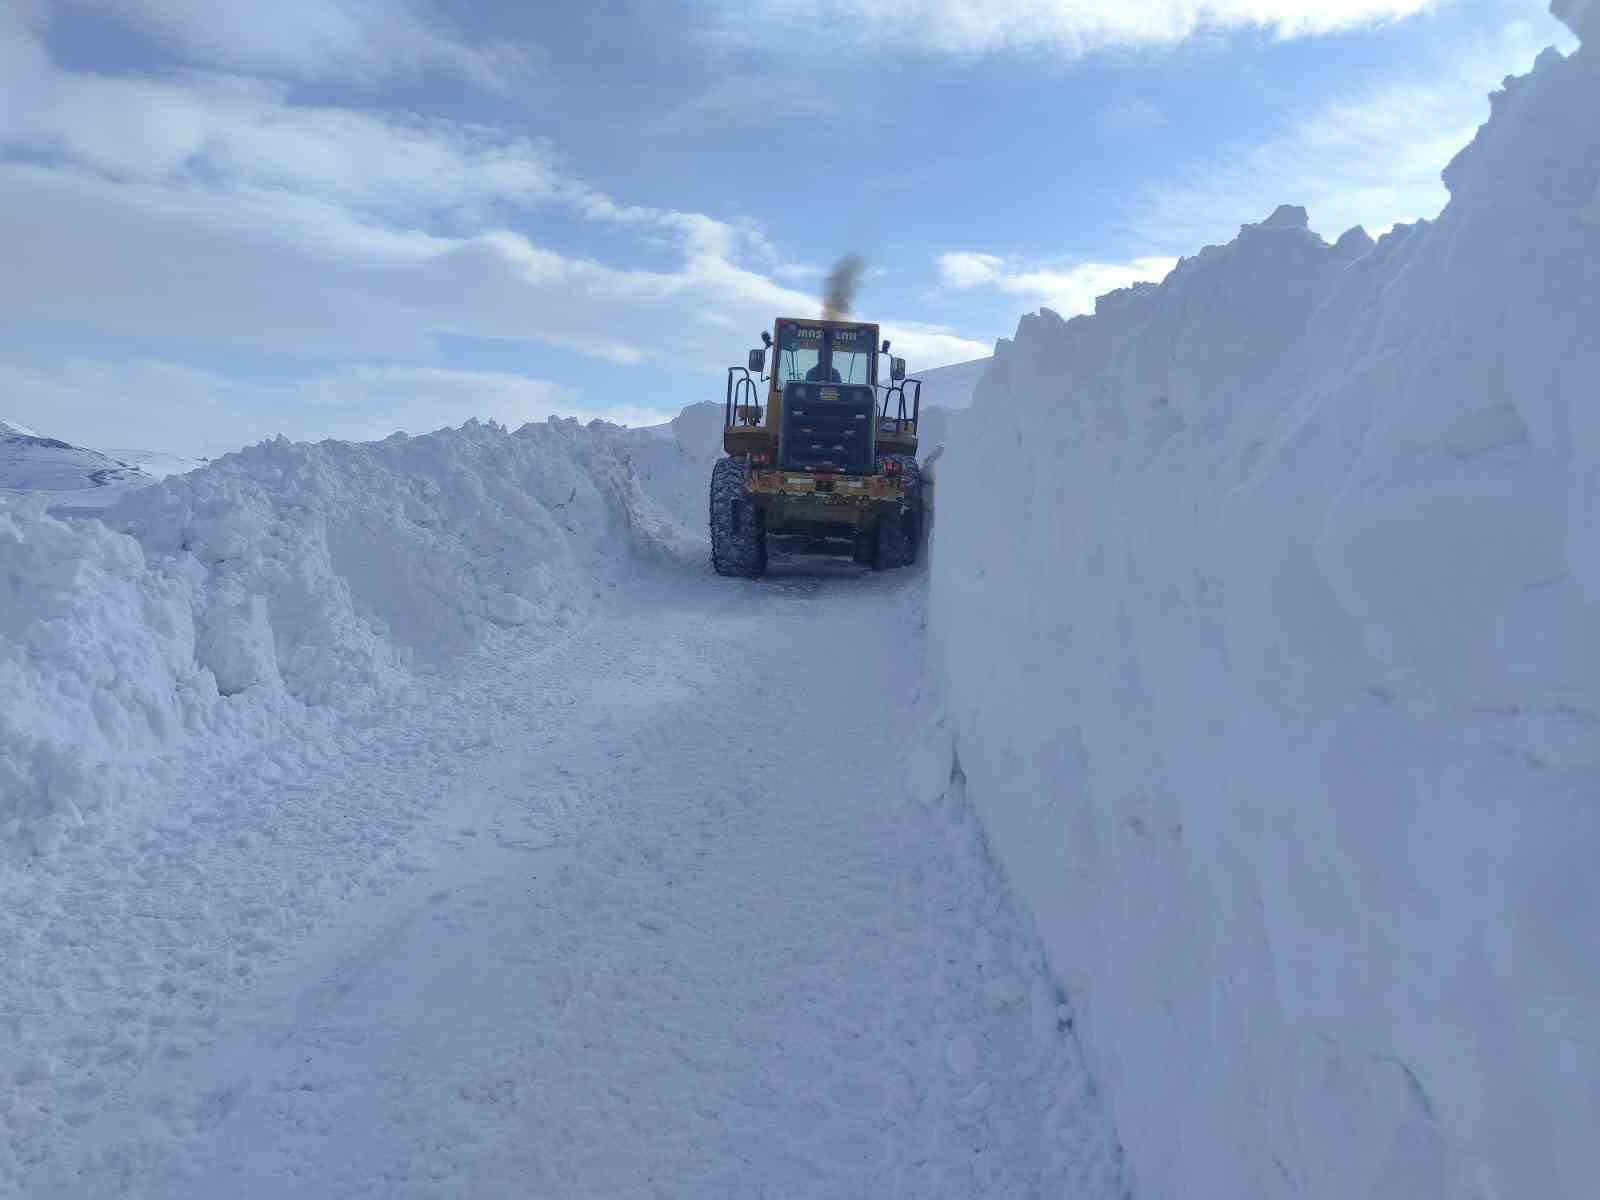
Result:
<point x="226" y="219"/>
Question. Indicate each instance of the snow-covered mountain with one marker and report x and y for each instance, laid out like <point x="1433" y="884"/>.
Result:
<point x="157" y="464"/>
<point x="952" y="387"/>
<point x="70" y="474"/>
<point x="76" y="478"/>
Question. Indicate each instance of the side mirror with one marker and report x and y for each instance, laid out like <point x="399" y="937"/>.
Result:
<point x="897" y="369"/>
<point x="766" y="338"/>
<point x="885" y="349"/>
<point x="758" y="360"/>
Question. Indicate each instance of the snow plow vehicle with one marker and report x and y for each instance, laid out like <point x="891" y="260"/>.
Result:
<point x="828" y="465"/>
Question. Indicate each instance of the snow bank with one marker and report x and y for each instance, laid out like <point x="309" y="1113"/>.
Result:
<point x="96" y="660"/>
<point x="1267" y="606"/>
<point x="673" y="463"/>
<point x="952" y="387"/>
<point x="286" y="574"/>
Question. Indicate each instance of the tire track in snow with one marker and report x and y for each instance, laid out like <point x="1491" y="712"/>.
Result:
<point x="680" y="933"/>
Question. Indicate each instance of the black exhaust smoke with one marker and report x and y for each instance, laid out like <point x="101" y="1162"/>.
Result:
<point x="839" y="288"/>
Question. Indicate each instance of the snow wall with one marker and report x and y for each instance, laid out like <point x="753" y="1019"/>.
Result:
<point x="220" y="602"/>
<point x="1266" y="606"/>
<point x="673" y="463"/>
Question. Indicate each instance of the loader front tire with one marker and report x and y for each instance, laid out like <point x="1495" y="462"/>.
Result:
<point x="738" y="527"/>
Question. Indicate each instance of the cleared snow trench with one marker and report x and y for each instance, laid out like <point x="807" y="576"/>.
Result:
<point x="632" y="914"/>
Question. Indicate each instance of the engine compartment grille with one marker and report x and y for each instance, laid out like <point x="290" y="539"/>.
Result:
<point x="827" y="427"/>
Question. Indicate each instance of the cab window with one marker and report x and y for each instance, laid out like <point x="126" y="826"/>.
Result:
<point x="827" y="355"/>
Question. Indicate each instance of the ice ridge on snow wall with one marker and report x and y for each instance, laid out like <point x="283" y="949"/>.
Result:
<point x="1266" y="603"/>
<point x="284" y="576"/>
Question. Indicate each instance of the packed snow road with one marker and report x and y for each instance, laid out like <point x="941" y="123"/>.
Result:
<point x="644" y="912"/>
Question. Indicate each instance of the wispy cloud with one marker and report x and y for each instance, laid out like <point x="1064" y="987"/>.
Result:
<point x="1371" y="160"/>
<point x="747" y="99"/>
<point x="1067" y="290"/>
<point x="1073" y="26"/>
<point x="218" y="132"/>
<point x="350" y="41"/>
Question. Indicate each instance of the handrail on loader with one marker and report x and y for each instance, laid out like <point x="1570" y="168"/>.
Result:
<point x="740" y="405"/>
<point x="897" y="391"/>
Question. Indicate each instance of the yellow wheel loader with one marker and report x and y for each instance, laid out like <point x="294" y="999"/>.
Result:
<point x="829" y="464"/>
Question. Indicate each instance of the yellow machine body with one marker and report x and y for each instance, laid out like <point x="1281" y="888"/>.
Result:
<point x="836" y="472"/>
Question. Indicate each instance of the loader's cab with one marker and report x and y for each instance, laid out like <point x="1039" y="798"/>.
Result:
<point x="825" y="352"/>
<point x="828" y="463"/>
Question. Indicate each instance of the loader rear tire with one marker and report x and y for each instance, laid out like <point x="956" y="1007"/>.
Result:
<point x="738" y="527"/>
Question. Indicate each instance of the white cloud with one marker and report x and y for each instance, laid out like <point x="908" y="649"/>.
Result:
<point x="1372" y="160"/>
<point x="925" y="346"/>
<point x="263" y="269"/>
<point x="350" y="41"/>
<point x="1075" y="26"/>
<point x="1069" y="291"/>
<point x="965" y="269"/>
<point x="228" y="132"/>
<point x="136" y="405"/>
<point x="212" y="210"/>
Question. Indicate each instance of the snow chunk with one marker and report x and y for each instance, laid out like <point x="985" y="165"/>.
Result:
<point x="237" y="641"/>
